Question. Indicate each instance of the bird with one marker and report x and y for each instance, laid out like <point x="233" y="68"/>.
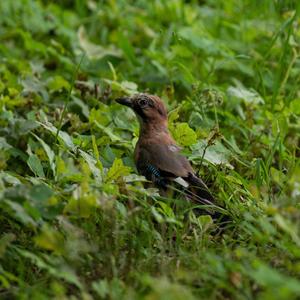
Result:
<point x="157" y="156"/>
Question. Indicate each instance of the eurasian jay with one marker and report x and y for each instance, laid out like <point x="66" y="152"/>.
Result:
<point x="156" y="155"/>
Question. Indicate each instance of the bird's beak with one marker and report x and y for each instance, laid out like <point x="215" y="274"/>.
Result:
<point x="125" y="101"/>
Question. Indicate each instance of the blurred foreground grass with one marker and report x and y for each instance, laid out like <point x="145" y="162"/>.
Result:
<point x="75" y="220"/>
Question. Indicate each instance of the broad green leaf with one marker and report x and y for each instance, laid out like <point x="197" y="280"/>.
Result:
<point x="34" y="85"/>
<point x="9" y="178"/>
<point x="57" y="83"/>
<point x="205" y="221"/>
<point x="126" y="87"/>
<point x="158" y="217"/>
<point x="4" y="145"/>
<point x="82" y="207"/>
<point x="129" y="86"/>
<point x="117" y="170"/>
<point x="216" y="154"/>
<point x="127" y="48"/>
<point x="101" y="115"/>
<point x="164" y="289"/>
<point x="200" y="39"/>
<point x="92" y="163"/>
<point x="166" y="209"/>
<point x="5" y="241"/>
<point x="250" y="96"/>
<point x="40" y="193"/>
<point x="182" y="51"/>
<point x="50" y="154"/>
<point x="272" y="278"/>
<point x="23" y="126"/>
<point x="184" y="134"/>
<point x="63" y="136"/>
<point x="101" y="287"/>
<point x="94" y="51"/>
<point x="289" y="228"/>
<point x="35" y="165"/>
<point x="84" y="108"/>
<point x="173" y="115"/>
<point x="20" y="213"/>
<point x="295" y="106"/>
<point x="50" y="239"/>
<point x="108" y="131"/>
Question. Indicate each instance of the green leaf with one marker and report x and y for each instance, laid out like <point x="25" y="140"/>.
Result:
<point x="82" y="206"/>
<point x="279" y="283"/>
<point x="166" y="209"/>
<point x="9" y="178"/>
<point x="200" y="39"/>
<point x="101" y="287"/>
<point x="4" y="145"/>
<point x="205" y="221"/>
<point x="289" y="228"/>
<point x="94" y="51"/>
<point x="50" y="239"/>
<point x="50" y="154"/>
<point x="173" y="115"/>
<point x="63" y="136"/>
<point x="249" y="96"/>
<point x="295" y="106"/>
<point x="40" y="193"/>
<point x="164" y="289"/>
<point x="84" y="108"/>
<point x="117" y="170"/>
<point x="92" y="163"/>
<point x="127" y="87"/>
<point x="184" y="134"/>
<point x="216" y="154"/>
<point x="102" y="115"/>
<point x="108" y="131"/>
<point x="22" y="126"/>
<point x="5" y="241"/>
<point x="20" y="213"/>
<point x="58" y="83"/>
<point x="34" y="85"/>
<point x="127" y="48"/>
<point x="35" y="165"/>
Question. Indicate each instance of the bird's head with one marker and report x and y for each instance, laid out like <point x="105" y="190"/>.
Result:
<point x="148" y="108"/>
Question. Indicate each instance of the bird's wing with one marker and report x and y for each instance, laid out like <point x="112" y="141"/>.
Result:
<point x="166" y="158"/>
<point x="158" y="162"/>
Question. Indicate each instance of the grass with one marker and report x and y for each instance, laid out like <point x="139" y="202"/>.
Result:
<point x="76" y="221"/>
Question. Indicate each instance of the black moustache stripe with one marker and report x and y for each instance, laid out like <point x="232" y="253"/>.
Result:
<point x="140" y="112"/>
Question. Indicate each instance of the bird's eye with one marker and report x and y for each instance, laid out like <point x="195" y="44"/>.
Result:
<point x="143" y="103"/>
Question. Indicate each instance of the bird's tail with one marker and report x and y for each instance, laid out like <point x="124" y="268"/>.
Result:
<point x="198" y="192"/>
<point x="201" y="189"/>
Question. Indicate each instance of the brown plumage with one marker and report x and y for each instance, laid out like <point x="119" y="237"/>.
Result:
<point x="156" y="155"/>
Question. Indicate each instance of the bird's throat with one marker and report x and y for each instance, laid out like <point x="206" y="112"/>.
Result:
<point x="155" y="133"/>
<point x="153" y="128"/>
